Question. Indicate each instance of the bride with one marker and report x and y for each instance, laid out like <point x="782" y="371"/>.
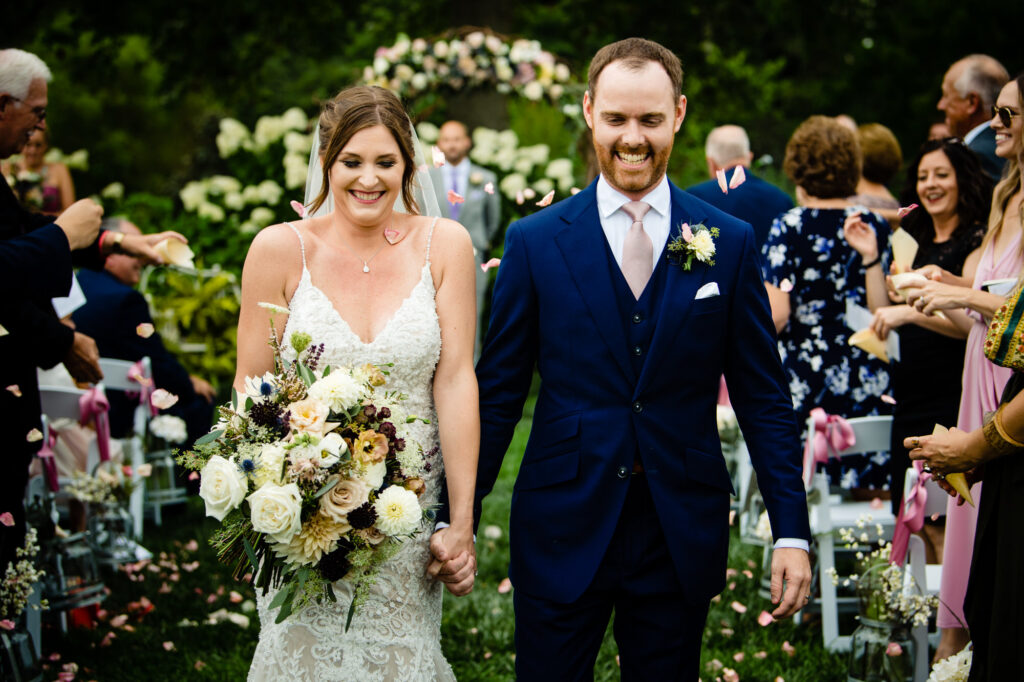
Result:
<point x="381" y="286"/>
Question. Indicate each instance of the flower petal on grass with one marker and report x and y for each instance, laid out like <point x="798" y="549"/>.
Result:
<point x="235" y="597"/>
<point x="761" y="655"/>
<point x="722" y="183"/>
<point x="739" y="176"/>
<point x="546" y="201"/>
<point x="455" y="198"/>
<point x="764" y="619"/>
<point x="493" y="263"/>
<point x="730" y="675"/>
<point x="192" y="545"/>
<point x="738" y="607"/>
<point x="15" y="390"/>
<point x="489" y="188"/>
<point x="747" y="572"/>
<point x="118" y="620"/>
<point x="788" y="648"/>
<point x="145" y="329"/>
<point x="505" y="586"/>
<point x="438" y="157"/>
<point x="199" y="665"/>
<point x="904" y="210"/>
<point x="162" y="399"/>
<point x="739" y="656"/>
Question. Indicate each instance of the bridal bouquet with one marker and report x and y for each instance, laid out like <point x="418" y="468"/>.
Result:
<point x="312" y="477"/>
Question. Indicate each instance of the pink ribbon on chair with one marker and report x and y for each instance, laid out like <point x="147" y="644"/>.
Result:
<point x="93" y="407"/>
<point x="137" y="374"/>
<point x="911" y="516"/>
<point x="49" y="462"/>
<point x="831" y="435"/>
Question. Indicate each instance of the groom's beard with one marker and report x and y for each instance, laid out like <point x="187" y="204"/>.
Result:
<point x="628" y="180"/>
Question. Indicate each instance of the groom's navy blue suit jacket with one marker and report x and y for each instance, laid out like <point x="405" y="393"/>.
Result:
<point x="554" y="307"/>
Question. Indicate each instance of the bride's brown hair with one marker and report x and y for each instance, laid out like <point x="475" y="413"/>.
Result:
<point x="358" y="108"/>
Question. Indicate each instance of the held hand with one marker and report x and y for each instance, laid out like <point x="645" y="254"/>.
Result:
<point x="945" y="453"/>
<point x="890" y="317"/>
<point x="81" y="223"/>
<point x="861" y="237"/>
<point x="894" y="295"/>
<point x="935" y="296"/>
<point x="141" y="245"/>
<point x="83" y="360"/>
<point x="453" y="560"/>
<point x="791" y="568"/>
<point x="935" y="273"/>
<point x="203" y="388"/>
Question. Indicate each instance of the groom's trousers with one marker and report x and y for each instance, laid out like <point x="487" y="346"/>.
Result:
<point x="657" y="631"/>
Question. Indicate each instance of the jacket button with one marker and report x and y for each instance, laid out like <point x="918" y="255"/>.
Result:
<point x="623" y="472"/>
<point x="637" y="318"/>
<point x="638" y="351"/>
<point x="638" y="407"/>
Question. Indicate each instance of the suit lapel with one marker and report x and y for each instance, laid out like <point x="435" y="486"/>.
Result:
<point x="680" y="288"/>
<point x="582" y="243"/>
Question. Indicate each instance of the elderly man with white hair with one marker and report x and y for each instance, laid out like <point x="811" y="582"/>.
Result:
<point x="969" y="90"/>
<point x="755" y="201"/>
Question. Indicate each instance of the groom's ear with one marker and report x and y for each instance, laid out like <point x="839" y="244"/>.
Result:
<point x="680" y="113"/>
<point x="588" y="109"/>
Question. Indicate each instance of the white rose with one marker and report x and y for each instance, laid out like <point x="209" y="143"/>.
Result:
<point x="338" y="390"/>
<point x="277" y="511"/>
<point x="343" y="498"/>
<point x="373" y="474"/>
<point x="222" y="486"/>
<point x="398" y="511"/>
<point x="271" y="462"/>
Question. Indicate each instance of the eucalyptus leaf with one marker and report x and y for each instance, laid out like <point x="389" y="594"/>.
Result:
<point x="250" y="553"/>
<point x="326" y="488"/>
<point x="210" y="437"/>
<point x="280" y="597"/>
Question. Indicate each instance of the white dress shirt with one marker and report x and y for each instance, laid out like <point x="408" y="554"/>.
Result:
<point x="657" y="224"/>
<point x="974" y="132"/>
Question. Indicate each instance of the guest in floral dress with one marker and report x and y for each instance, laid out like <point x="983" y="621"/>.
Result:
<point x="812" y="274"/>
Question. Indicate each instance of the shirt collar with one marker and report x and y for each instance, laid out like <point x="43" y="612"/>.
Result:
<point x="610" y="200"/>
<point x="975" y="131"/>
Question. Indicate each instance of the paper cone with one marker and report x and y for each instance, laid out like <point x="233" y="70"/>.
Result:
<point x="176" y="253"/>
<point x="958" y="480"/>
<point x="906" y="280"/>
<point x="904" y="250"/>
<point x="867" y="340"/>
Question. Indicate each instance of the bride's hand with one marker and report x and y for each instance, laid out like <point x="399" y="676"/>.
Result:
<point x="453" y="560"/>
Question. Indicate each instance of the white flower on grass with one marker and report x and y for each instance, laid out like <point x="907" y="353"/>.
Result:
<point x="338" y="390"/>
<point x="276" y="510"/>
<point x="222" y="486"/>
<point x="168" y="427"/>
<point x="398" y="511"/>
<point x="703" y="246"/>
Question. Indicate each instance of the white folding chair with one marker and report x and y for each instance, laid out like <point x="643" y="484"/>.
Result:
<point x="829" y="512"/>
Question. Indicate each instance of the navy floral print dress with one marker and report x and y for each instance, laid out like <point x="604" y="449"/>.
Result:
<point x="806" y="246"/>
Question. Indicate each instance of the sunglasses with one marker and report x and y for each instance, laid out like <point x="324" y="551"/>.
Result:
<point x="1005" y="115"/>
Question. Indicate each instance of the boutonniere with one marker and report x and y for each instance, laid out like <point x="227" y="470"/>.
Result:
<point x="476" y="178"/>
<point x="693" y="242"/>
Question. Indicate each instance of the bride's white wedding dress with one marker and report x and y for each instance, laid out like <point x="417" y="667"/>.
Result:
<point x="396" y="631"/>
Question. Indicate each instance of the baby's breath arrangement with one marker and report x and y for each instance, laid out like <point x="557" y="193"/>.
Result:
<point x="19" y="578"/>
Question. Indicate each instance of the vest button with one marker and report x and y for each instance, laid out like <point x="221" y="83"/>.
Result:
<point x="637" y="318"/>
<point x="638" y="351"/>
<point x="623" y="472"/>
<point x="638" y="407"/>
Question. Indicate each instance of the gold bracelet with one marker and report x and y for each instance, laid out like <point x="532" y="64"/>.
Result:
<point x="996" y="442"/>
<point x="998" y="419"/>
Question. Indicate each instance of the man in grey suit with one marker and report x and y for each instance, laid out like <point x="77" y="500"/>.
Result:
<point x="480" y="213"/>
<point x="969" y="90"/>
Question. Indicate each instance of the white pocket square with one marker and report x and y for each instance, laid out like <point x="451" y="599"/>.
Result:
<point x="707" y="291"/>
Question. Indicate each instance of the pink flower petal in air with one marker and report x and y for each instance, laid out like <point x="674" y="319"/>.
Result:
<point x="298" y="208"/>
<point x="686" y="232"/>
<point x="6" y="624"/>
<point x="546" y="201"/>
<point x="15" y="390"/>
<point x="785" y="286"/>
<point x="520" y="198"/>
<point x="905" y="210"/>
<point x="761" y="655"/>
<point x="199" y="665"/>
<point x="722" y="183"/>
<point x="493" y="263"/>
<point x="529" y="193"/>
<point x="747" y="573"/>
<point x="505" y="586"/>
<point x="730" y="675"/>
<point x="739" y="176"/>
<point x="732" y="516"/>
<point x="894" y="649"/>
<point x="162" y="399"/>
<point x="714" y="665"/>
<point x="788" y="648"/>
<point x="739" y="656"/>
<point x="145" y="330"/>
<point x="765" y="619"/>
<point x="438" y="157"/>
<point x="935" y="516"/>
<point x="194" y="476"/>
<point x="731" y="573"/>
<point x="886" y="398"/>
<point x="489" y="188"/>
<point x="34" y="436"/>
<point x="574" y="191"/>
<point x="876" y="503"/>
<point x="738" y="607"/>
<point x="168" y="646"/>
<point x="7" y="519"/>
<point x="118" y="621"/>
<point x="454" y="197"/>
<point x="235" y="597"/>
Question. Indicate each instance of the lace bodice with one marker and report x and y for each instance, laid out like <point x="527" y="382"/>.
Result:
<point x="395" y="634"/>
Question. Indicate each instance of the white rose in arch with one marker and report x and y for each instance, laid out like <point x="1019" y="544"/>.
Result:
<point x="276" y="510"/>
<point x="222" y="486"/>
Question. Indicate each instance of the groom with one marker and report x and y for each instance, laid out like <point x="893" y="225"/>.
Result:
<point x="622" y="498"/>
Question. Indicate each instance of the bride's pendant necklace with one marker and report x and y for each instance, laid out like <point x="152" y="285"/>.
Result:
<point x="366" y="263"/>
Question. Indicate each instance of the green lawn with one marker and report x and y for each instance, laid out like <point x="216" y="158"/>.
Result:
<point x="184" y="585"/>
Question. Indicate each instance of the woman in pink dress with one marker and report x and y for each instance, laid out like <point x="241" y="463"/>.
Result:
<point x="1000" y="258"/>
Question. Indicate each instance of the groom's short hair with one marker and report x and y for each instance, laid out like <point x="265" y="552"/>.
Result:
<point x="634" y="53"/>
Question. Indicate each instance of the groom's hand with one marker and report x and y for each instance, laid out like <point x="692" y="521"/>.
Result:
<point x="453" y="565"/>
<point x="790" y="567"/>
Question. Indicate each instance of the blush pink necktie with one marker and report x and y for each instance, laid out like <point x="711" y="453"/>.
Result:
<point x="637" y="249"/>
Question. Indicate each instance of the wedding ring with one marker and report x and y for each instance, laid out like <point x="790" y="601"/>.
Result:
<point x="927" y="468"/>
<point x="917" y="443"/>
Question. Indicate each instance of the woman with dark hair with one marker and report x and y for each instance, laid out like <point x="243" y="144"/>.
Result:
<point x="379" y="286"/>
<point x="812" y="274"/>
<point x="946" y="180"/>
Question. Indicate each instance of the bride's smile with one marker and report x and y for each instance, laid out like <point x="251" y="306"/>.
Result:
<point x="366" y="179"/>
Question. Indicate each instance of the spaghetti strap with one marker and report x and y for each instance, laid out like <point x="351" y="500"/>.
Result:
<point x="302" y="244"/>
<point x="430" y="235"/>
